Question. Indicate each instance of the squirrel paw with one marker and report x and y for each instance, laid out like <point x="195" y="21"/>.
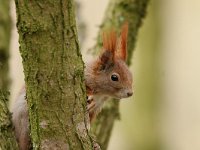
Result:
<point x="96" y="146"/>
<point x="90" y="103"/>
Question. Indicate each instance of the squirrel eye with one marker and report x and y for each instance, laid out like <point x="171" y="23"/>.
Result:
<point x="114" y="77"/>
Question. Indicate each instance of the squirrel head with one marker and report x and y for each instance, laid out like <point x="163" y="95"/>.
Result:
<point x="109" y="75"/>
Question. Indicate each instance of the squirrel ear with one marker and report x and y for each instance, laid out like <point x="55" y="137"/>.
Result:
<point x="109" y="48"/>
<point x="122" y="54"/>
<point x="106" y="60"/>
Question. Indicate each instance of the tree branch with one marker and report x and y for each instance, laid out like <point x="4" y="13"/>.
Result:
<point x="118" y="12"/>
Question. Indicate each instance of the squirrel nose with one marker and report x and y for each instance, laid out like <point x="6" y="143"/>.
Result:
<point x="129" y="94"/>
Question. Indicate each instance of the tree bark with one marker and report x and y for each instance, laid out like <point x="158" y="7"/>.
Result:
<point x="5" y="29"/>
<point x="7" y="138"/>
<point x="53" y="69"/>
<point x="118" y="12"/>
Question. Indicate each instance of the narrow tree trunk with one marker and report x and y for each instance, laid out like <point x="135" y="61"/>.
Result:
<point x="5" y="28"/>
<point x="7" y="139"/>
<point x="118" y="12"/>
<point x="53" y="69"/>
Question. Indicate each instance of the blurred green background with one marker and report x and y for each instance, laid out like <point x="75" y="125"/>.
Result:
<point x="164" y="113"/>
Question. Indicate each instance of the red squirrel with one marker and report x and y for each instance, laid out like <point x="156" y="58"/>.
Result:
<point x="107" y="76"/>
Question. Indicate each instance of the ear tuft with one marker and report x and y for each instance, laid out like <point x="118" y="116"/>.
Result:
<point x="123" y="45"/>
<point x="107" y="57"/>
<point x="110" y="42"/>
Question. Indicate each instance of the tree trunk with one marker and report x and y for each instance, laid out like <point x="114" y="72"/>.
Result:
<point x="5" y="29"/>
<point x="118" y="12"/>
<point x="53" y="69"/>
<point x="7" y="140"/>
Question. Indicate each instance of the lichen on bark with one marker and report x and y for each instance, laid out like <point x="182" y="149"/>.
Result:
<point x="53" y="69"/>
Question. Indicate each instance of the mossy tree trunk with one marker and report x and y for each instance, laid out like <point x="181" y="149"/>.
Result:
<point x="118" y="12"/>
<point x="7" y="139"/>
<point x="5" y="29"/>
<point x="53" y="69"/>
